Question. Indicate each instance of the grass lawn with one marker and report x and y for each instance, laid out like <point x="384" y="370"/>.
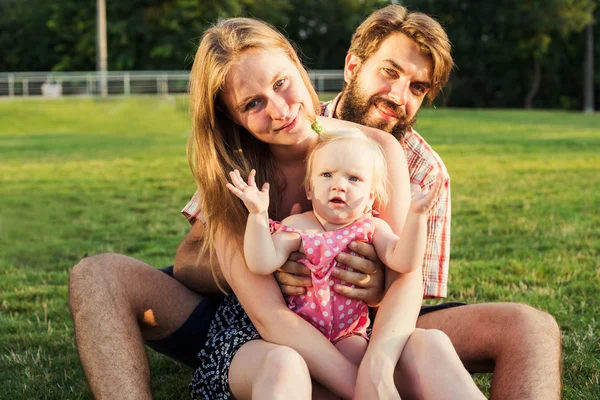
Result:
<point x="84" y="176"/>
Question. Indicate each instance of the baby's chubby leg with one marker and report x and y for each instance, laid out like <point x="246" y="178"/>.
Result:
<point x="353" y="348"/>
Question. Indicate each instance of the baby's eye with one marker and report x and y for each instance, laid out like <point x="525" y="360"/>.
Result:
<point x="354" y="179"/>
<point x="326" y="174"/>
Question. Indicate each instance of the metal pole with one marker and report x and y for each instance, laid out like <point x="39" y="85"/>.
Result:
<point x="101" y="46"/>
<point x="126" y="86"/>
<point x="88" y="86"/>
<point x="11" y="85"/>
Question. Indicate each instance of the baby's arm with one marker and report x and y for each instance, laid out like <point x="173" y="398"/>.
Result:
<point x="264" y="253"/>
<point x="405" y="253"/>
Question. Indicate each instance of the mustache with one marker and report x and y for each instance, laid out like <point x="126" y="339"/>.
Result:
<point x="395" y="108"/>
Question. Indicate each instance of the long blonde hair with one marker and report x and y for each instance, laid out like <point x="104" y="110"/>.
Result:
<point x="217" y="144"/>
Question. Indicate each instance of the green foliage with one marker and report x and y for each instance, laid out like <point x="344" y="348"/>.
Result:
<point x="508" y="52"/>
<point x="85" y="176"/>
<point x="499" y="45"/>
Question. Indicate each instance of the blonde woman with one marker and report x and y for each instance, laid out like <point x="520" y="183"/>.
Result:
<point x="253" y="105"/>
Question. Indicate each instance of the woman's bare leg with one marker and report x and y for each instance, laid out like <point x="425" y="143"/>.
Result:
<point x="262" y="370"/>
<point x="429" y="368"/>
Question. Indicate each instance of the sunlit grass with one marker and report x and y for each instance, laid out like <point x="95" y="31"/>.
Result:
<point x="84" y="176"/>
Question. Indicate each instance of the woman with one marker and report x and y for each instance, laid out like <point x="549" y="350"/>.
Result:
<point x="253" y="105"/>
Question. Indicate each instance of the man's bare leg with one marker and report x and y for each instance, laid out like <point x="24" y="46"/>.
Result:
<point x="519" y="344"/>
<point x="116" y="302"/>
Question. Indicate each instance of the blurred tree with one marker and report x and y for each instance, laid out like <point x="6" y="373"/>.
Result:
<point x="504" y="50"/>
<point x="323" y="29"/>
<point x="509" y="53"/>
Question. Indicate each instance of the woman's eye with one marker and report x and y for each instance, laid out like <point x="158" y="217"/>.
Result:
<point x="251" y="104"/>
<point x="279" y="83"/>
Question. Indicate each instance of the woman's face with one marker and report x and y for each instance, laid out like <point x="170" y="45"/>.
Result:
<point x="264" y="93"/>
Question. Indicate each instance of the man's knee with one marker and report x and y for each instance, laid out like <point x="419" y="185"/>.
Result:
<point x="528" y="322"/>
<point x="90" y="276"/>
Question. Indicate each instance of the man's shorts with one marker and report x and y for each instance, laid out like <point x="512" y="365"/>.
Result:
<point x="185" y="343"/>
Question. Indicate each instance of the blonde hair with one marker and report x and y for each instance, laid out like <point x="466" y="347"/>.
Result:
<point x="380" y="180"/>
<point x="426" y="32"/>
<point x="217" y="144"/>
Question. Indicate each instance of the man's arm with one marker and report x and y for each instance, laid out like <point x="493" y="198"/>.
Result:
<point x="190" y="268"/>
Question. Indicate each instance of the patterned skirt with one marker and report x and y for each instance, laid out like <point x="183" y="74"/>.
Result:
<point x="229" y="330"/>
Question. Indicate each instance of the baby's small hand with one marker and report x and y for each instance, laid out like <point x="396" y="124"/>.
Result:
<point x="422" y="202"/>
<point x="256" y="201"/>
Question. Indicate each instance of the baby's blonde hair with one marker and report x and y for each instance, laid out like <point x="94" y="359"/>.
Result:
<point x="380" y="179"/>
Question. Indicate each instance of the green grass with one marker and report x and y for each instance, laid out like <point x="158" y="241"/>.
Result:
<point x="84" y="176"/>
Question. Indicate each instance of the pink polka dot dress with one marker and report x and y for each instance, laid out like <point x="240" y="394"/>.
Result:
<point x="334" y="315"/>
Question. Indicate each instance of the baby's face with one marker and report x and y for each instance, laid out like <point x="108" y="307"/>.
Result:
<point x="341" y="181"/>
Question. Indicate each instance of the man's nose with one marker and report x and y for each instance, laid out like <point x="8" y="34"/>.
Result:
<point x="399" y="91"/>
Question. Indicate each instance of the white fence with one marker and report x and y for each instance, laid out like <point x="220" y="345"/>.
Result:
<point x="54" y="84"/>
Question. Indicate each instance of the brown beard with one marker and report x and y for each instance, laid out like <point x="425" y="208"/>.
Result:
<point x="355" y="104"/>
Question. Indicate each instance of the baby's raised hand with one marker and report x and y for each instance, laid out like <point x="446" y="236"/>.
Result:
<point x="422" y="202"/>
<point x="256" y="201"/>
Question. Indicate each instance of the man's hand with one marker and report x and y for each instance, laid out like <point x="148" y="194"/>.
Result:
<point x="367" y="276"/>
<point x="293" y="277"/>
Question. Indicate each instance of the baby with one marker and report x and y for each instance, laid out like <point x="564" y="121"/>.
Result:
<point x="346" y="175"/>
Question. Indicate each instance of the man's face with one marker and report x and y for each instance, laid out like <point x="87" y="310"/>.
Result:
<point x="386" y="90"/>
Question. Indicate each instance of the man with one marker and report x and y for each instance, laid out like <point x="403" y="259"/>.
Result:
<point x="391" y="67"/>
<point x="396" y="60"/>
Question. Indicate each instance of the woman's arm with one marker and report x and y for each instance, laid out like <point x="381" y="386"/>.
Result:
<point x="262" y="301"/>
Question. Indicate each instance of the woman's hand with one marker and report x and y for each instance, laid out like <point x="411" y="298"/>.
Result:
<point x="367" y="276"/>
<point x="256" y="201"/>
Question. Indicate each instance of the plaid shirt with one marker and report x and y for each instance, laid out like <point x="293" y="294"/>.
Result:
<point x="424" y="164"/>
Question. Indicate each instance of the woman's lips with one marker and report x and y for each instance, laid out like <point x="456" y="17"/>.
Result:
<point x="289" y="126"/>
